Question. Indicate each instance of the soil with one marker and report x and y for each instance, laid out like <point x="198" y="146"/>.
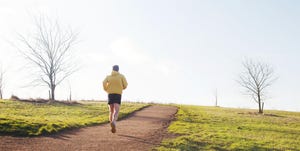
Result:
<point x="142" y="130"/>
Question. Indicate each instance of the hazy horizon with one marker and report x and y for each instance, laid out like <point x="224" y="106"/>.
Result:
<point x="169" y="51"/>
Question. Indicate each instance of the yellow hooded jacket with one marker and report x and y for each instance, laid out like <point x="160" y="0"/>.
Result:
<point x="114" y="83"/>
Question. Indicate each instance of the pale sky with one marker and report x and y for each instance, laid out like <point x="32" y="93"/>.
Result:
<point x="170" y="51"/>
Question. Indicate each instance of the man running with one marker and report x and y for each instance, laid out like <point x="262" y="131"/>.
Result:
<point x="114" y="84"/>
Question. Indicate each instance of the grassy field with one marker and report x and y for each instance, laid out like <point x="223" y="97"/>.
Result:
<point x="28" y="119"/>
<point x="213" y="128"/>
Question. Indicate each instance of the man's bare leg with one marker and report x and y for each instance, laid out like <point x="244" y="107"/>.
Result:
<point x="116" y="110"/>
<point x="111" y="112"/>
<point x="115" y="117"/>
<point x="111" y="117"/>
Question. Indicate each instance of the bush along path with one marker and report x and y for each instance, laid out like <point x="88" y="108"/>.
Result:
<point x="142" y="130"/>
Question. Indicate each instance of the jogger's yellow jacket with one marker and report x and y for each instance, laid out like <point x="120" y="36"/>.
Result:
<point x="115" y="83"/>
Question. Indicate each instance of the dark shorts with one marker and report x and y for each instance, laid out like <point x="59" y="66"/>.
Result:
<point x="114" y="98"/>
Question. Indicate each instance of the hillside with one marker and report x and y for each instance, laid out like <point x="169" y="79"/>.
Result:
<point x="140" y="131"/>
<point x="31" y="119"/>
<point x="194" y="128"/>
<point x="214" y="128"/>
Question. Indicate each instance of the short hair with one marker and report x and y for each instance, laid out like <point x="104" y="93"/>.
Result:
<point x="116" y="68"/>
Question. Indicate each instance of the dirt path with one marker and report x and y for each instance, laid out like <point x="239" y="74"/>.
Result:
<point x="140" y="131"/>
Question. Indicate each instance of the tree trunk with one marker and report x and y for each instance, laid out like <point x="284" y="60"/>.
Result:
<point x="49" y="94"/>
<point x="260" y="111"/>
<point x="70" y="97"/>
<point x="52" y="93"/>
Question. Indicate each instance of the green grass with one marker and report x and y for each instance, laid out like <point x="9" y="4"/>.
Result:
<point x="212" y="128"/>
<point x="28" y="119"/>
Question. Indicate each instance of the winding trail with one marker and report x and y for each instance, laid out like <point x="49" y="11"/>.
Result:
<point x="142" y="130"/>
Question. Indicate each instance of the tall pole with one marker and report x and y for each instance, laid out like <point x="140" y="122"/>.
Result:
<point x="216" y="97"/>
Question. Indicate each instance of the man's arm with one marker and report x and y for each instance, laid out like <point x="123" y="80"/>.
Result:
<point x="124" y="82"/>
<point x="105" y="81"/>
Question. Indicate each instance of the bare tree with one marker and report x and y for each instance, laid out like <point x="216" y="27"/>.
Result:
<point x="1" y="82"/>
<point x="256" y="78"/>
<point x="216" y="97"/>
<point x="48" y="49"/>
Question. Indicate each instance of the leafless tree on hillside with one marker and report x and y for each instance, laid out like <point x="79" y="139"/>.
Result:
<point x="1" y="82"/>
<point x="216" y="97"/>
<point x="256" y="78"/>
<point x="48" y="49"/>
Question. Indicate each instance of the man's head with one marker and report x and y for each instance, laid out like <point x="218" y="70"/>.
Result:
<point x="116" y="68"/>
